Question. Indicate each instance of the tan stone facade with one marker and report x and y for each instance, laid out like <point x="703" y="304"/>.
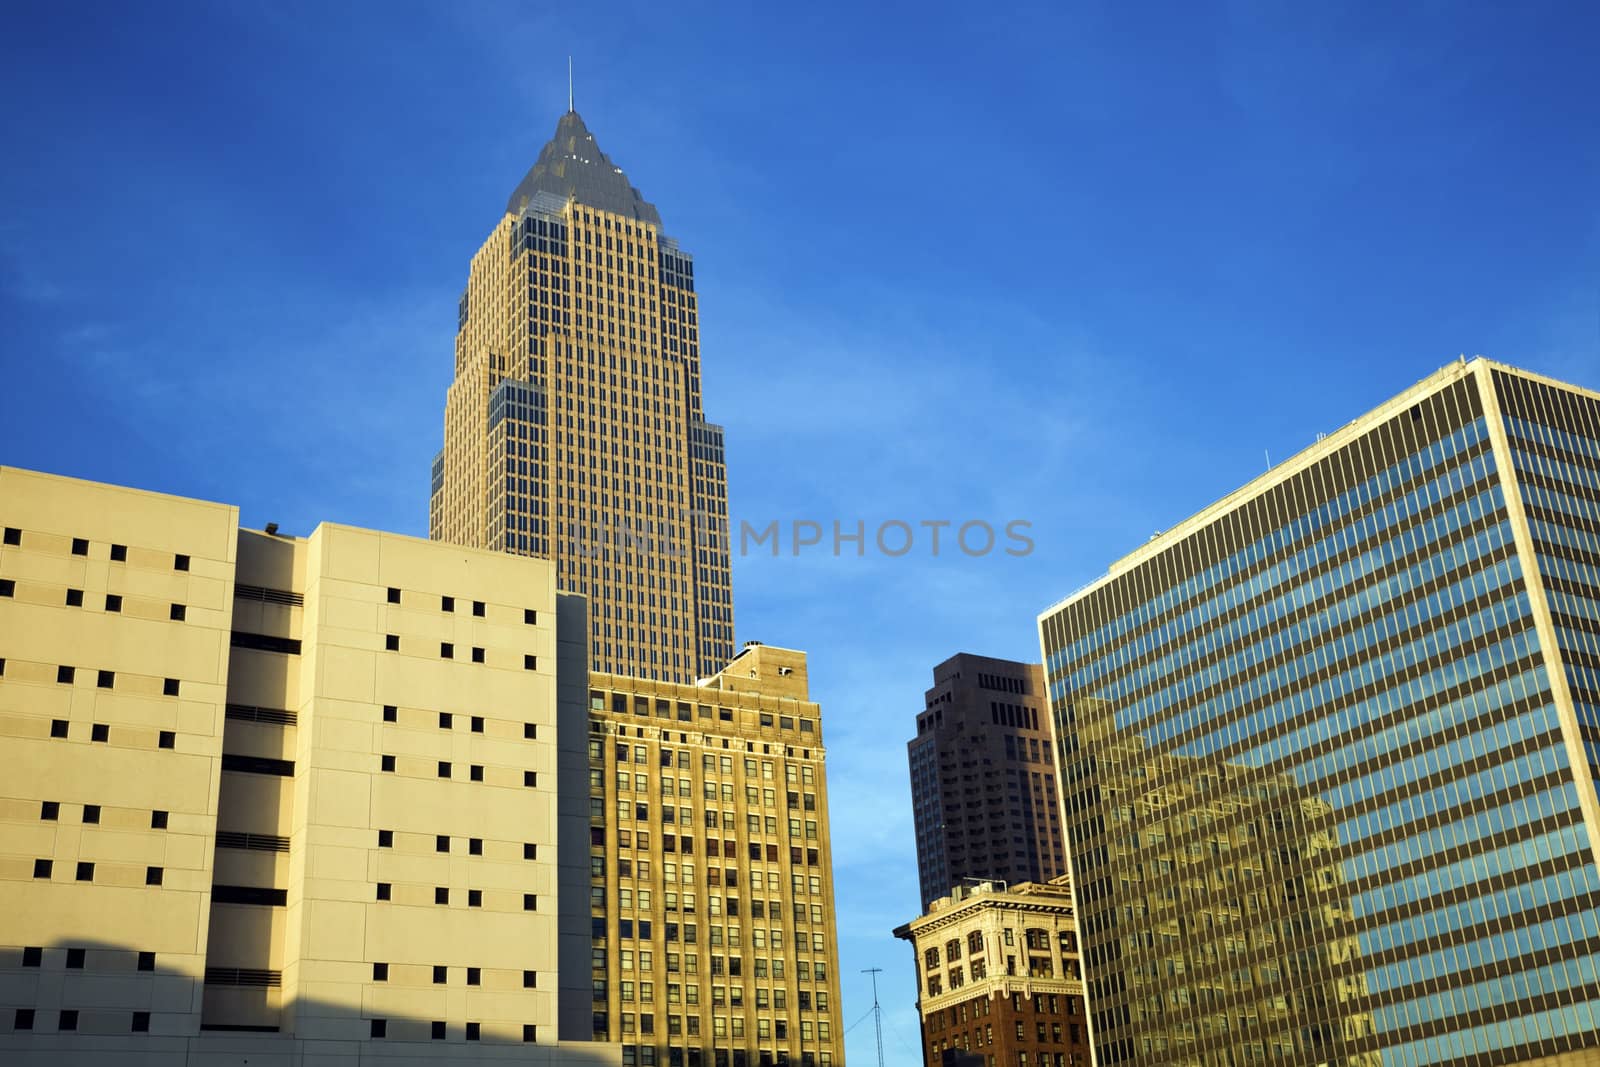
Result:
<point x="269" y="796"/>
<point x="711" y="901"/>
<point x="574" y="428"/>
<point x="999" y="977"/>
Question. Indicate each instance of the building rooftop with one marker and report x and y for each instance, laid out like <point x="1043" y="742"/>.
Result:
<point x="571" y="165"/>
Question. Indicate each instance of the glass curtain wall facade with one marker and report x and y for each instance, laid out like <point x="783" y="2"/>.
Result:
<point x="1326" y="748"/>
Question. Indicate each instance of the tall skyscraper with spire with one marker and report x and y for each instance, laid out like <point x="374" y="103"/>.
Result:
<point x="574" y="428"/>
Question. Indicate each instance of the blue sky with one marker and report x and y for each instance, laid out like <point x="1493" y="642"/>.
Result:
<point x="1082" y="265"/>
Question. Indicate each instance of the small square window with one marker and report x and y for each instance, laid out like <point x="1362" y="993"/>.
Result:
<point x="41" y="868"/>
<point x="447" y="603"/>
<point x="33" y="957"/>
<point x="85" y="872"/>
<point x="69" y="1020"/>
<point x="80" y="546"/>
<point x="387" y="763"/>
<point x="394" y="595"/>
<point x="391" y="713"/>
<point x="441" y="843"/>
<point x="91" y="813"/>
<point x="169" y="687"/>
<point x="441" y="895"/>
<point x="13" y="536"/>
<point x="8" y="587"/>
<point x="440" y="975"/>
<point x="386" y="839"/>
<point x="180" y="562"/>
<point x="74" y="598"/>
<point x="158" y="820"/>
<point x="530" y="851"/>
<point x="100" y="732"/>
<point x="477" y="608"/>
<point x="530" y="616"/>
<point x="447" y="650"/>
<point x="380" y="1027"/>
<point x="530" y="902"/>
<point x="64" y="675"/>
<point x="476" y="772"/>
<point x="119" y="553"/>
<point x="474" y="976"/>
<point x="477" y="655"/>
<point x="474" y="846"/>
<point x="178" y="613"/>
<point x="113" y="602"/>
<point x="24" y="1019"/>
<point x="380" y="972"/>
<point x="147" y="961"/>
<point x="530" y="979"/>
<point x="444" y="768"/>
<point x="50" y="810"/>
<point x="75" y="959"/>
<point x="530" y="731"/>
<point x="106" y="679"/>
<point x="530" y="779"/>
<point x="167" y="739"/>
<point x="530" y="1032"/>
<point x="391" y="642"/>
<point x="446" y="720"/>
<point x="383" y="890"/>
<point x="474" y="898"/>
<point x="530" y="663"/>
<point x="152" y="876"/>
<point x="477" y="724"/>
<point x="438" y="1031"/>
<point x="141" y="1022"/>
<point x="472" y="1031"/>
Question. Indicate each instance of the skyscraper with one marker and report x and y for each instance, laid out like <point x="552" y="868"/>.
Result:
<point x="1328" y="748"/>
<point x="574" y="429"/>
<point x="983" y="791"/>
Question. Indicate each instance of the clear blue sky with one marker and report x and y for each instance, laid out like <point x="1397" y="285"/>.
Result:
<point x="1081" y="265"/>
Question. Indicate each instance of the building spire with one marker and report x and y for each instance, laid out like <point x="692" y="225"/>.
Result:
<point x="569" y="85"/>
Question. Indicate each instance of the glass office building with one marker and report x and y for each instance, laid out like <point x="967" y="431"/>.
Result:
<point x="1327" y="749"/>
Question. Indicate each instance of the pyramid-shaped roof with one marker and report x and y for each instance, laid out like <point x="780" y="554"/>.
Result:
<point x="572" y="165"/>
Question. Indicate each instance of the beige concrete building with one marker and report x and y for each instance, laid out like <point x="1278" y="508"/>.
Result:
<point x="574" y="428"/>
<point x="711" y="898"/>
<point x="270" y="798"/>
<point x="999" y="979"/>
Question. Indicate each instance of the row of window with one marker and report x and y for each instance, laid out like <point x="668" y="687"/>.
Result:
<point x="67" y="1021"/>
<point x="101" y="732"/>
<point x="80" y="547"/>
<point x="447" y="650"/>
<point x="447" y="604"/>
<point x="33" y="956"/>
<point x="438" y="1031"/>
<point x="44" y="869"/>
<point x="441" y="843"/>
<point x="441" y="895"/>
<point x="113" y="602"/>
<point x="530" y="779"/>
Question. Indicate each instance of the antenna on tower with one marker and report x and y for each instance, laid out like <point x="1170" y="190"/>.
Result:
<point x="877" y="1012"/>
<point x="569" y="84"/>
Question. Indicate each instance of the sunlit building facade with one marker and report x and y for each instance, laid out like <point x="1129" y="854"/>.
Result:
<point x="711" y="877"/>
<point x="1328" y="748"/>
<point x="574" y="428"/>
<point x="283" y="799"/>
